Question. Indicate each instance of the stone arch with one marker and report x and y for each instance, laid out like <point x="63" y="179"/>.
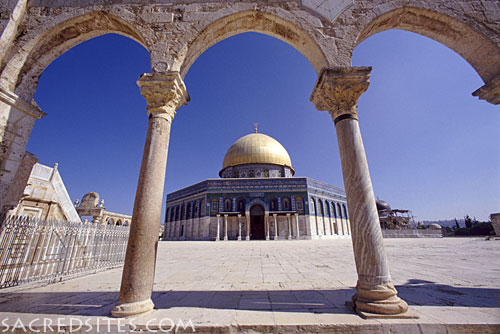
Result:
<point x="254" y="21"/>
<point x="256" y="201"/>
<point x="119" y="222"/>
<point x="24" y="68"/>
<point x="476" y="48"/>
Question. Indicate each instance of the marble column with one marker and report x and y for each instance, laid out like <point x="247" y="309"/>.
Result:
<point x="289" y="221"/>
<point x="248" y="227"/>
<point x="239" y="226"/>
<point x="217" y="237"/>
<point x="275" y="227"/>
<point x="297" y="230"/>
<point x="225" y="228"/>
<point x="164" y="94"/>
<point x="337" y="91"/>
<point x="266" y="221"/>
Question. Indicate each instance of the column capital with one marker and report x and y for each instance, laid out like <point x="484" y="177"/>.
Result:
<point x="490" y="91"/>
<point x="164" y="93"/>
<point x="338" y="89"/>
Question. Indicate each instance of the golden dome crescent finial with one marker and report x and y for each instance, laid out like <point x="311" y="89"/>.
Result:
<point x="255" y="125"/>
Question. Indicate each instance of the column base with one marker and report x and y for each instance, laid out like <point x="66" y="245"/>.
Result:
<point x="129" y="309"/>
<point x="367" y="315"/>
<point x="379" y="300"/>
<point x="267" y="238"/>
<point x="239" y="238"/>
<point x="247" y="238"/>
<point x="225" y="239"/>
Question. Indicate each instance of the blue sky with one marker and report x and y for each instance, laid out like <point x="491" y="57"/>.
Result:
<point x="431" y="147"/>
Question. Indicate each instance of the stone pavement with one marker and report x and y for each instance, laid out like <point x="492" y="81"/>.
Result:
<point x="452" y="284"/>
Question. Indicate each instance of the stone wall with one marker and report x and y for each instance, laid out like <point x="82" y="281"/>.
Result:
<point x="420" y="233"/>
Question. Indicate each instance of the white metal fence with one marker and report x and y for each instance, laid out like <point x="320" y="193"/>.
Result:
<point x="33" y="249"/>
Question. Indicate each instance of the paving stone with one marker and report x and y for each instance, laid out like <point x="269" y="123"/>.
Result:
<point x="433" y="285"/>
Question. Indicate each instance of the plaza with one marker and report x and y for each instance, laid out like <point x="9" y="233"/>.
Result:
<point x="451" y="284"/>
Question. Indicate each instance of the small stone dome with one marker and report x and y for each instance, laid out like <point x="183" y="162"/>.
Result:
<point x="256" y="148"/>
<point x="382" y="205"/>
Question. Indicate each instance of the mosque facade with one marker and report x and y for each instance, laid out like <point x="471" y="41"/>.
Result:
<point x="257" y="198"/>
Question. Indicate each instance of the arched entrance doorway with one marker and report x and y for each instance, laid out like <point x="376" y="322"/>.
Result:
<point x="257" y="224"/>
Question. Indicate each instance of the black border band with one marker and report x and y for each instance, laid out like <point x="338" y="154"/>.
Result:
<point x="344" y="116"/>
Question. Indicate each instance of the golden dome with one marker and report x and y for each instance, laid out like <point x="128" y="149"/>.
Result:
<point x="257" y="148"/>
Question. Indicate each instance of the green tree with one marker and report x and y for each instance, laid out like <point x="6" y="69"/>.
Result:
<point x="468" y="221"/>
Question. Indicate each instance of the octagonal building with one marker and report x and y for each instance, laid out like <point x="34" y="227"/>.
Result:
<point x="257" y="198"/>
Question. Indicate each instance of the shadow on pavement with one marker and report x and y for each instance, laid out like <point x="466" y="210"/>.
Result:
<point x="415" y="292"/>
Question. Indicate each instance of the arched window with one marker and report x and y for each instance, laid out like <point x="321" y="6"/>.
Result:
<point x="227" y="205"/>
<point x="188" y="211"/>
<point x="177" y="213"/>
<point x="172" y="214"/>
<point x="328" y="211"/>
<point x="241" y="205"/>
<point x="286" y="204"/>
<point x="334" y="211"/>
<point x="313" y="205"/>
<point x="111" y="222"/>
<point x="339" y="210"/>
<point x="321" y="211"/>
<point x="183" y="212"/>
<point x="125" y="223"/>
<point x="215" y="205"/>
<point x="315" y="208"/>
<point x="299" y="203"/>
<point x="273" y="204"/>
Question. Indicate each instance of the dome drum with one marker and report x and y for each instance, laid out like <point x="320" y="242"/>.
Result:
<point x="256" y="171"/>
